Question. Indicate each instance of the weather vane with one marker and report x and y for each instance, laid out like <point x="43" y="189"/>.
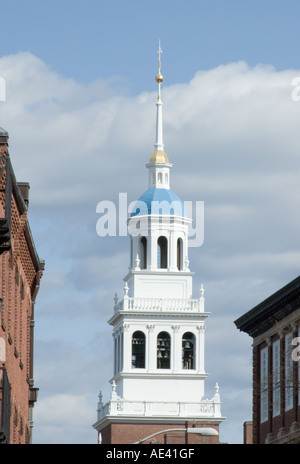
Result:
<point x="159" y="55"/>
<point x="159" y="78"/>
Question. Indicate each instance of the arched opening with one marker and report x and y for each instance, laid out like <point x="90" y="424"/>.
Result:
<point x="163" y="350"/>
<point x="179" y="254"/>
<point x="166" y="178"/>
<point x="188" y="351"/>
<point x="159" y="178"/>
<point x="162" y="253"/>
<point x="138" y="350"/>
<point x="143" y="253"/>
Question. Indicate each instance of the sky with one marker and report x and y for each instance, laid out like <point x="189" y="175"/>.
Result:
<point x="80" y="112"/>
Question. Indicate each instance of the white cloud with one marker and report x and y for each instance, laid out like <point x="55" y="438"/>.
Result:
<point x="64" y="418"/>
<point x="232" y="135"/>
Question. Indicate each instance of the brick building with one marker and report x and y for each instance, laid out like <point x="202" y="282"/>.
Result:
<point x="274" y="326"/>
<point x="20" y="274"/>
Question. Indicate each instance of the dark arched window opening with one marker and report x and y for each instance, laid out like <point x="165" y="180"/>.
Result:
<point x="162" y="253"/>
<point x="188" y="351"/>
<point x="143" y="254"/>
<point x="138" y="350"/>
<point x="179" y="254"/>
<point x="163" y="350"/>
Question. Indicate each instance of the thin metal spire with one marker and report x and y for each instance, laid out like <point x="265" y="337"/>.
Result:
<point x="159" y="55"/>
<point x="159" y="129"/>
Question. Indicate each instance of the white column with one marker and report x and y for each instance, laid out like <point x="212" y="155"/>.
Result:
<point x="153" y="250"/>
<point x="126" y="347"/>
<point x="200" y="349"/>
<point x="201" y="299"/>
<point x="134" y="251"/>
<point x="151" y="348"/>
<point x="176" y="349"/>
<point x="185" y="251"/>
<point x="172" y="251"/>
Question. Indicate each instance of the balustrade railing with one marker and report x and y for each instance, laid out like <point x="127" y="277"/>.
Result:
<point x="205" y="408"/>
<point x="160" y="304"/>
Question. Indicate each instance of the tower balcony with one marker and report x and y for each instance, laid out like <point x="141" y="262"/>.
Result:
<point x="204" y="409"/>
<point x="160" y="305"/>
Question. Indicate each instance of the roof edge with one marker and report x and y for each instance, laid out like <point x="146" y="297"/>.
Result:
<point x="262" y="316"/>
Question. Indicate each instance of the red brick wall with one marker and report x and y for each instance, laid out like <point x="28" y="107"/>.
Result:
<point x="127" y="433"/>
<point x="256" y="395"/>
<point x="282" y="422"/>
<point x="17" y="282"/>
<point x="248" y="433"/>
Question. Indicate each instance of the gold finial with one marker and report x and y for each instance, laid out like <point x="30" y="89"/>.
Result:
<point x="159" y="78"/>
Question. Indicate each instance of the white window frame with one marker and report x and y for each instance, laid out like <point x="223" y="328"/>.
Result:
<point x="264" y="388"/>
<point x="276" y="377"/>
<point x="288" y="371"/>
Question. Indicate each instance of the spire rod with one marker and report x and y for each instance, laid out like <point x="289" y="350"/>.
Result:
<point x="159" y="131"/>
<point x="159" y="51"/>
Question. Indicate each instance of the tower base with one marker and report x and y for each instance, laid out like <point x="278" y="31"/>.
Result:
<point x="158" y="432"/>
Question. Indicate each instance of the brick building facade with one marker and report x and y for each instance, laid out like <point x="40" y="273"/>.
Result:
<point x="20" y="274"/>
<point x="163" y="432"/>
<point x="274" y="326"/>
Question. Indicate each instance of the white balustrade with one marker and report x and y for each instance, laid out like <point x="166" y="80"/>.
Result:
<point x="202" y="409"/>
<point x="160" y="304"/>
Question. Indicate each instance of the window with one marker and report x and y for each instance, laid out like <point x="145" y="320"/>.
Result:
<point x="17" y="276"/>
<point x="138" y="350"/>
<point x="188" y="351"/>
<point x="22" y="290"/>
<point x="163" y="350"/>
<point x="16" y="417"/>
<point x="276" y="378"/>
<point x="143" y="253"/>
<point x="179" y="254"/>
<point x="264" y="385"/>
<point x="162" y="253"/>
<point x="159" y="178"/>
<point x="21" y="430"/>
<point x="288" y="372"/>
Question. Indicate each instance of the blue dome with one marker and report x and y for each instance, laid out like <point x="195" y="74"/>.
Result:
<point x="159" y="201"/>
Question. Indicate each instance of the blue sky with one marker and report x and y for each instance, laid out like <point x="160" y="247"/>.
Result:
<point x="109" y="38"/>
<point x="80" y="112"/>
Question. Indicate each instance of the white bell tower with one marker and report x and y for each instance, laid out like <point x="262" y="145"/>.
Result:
<point x="158" y="326"/>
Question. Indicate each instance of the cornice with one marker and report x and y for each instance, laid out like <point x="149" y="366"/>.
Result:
<point x="279" y="305"/>
<point x="147" y="315"/>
